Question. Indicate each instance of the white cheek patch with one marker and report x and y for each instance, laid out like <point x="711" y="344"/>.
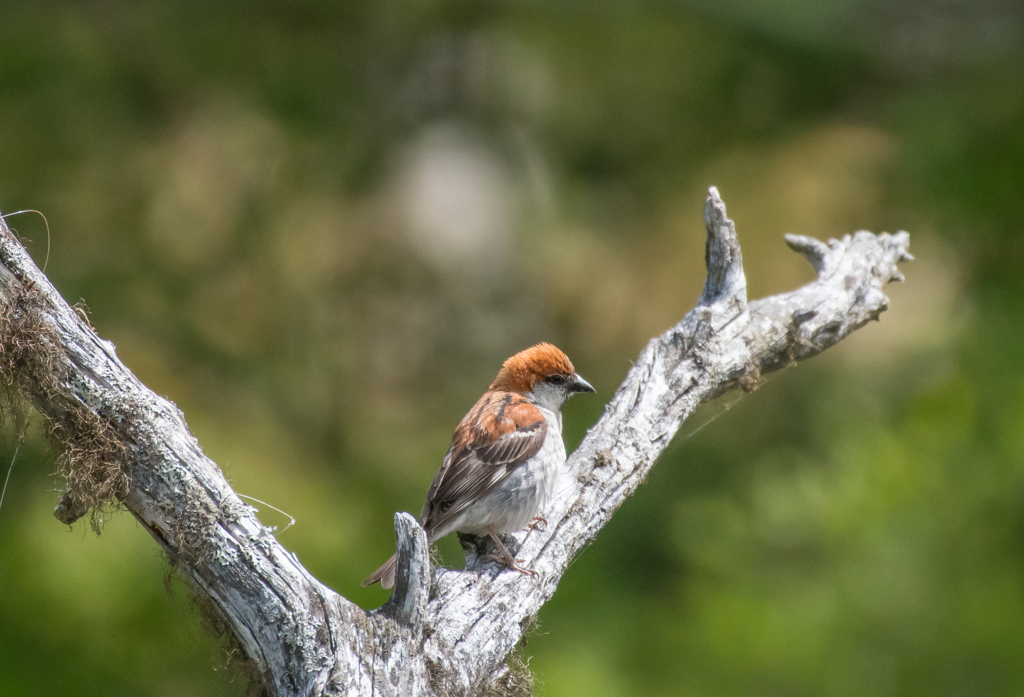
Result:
<point x="549" y="396"/>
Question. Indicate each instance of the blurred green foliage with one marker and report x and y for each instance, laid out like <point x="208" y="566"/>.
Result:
<point x="320" y="227"/>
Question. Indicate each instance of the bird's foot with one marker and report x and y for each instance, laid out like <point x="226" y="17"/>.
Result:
<point x="503" y="556"/>
<point x="538" y="522"/>
<point x="509" y="562"/>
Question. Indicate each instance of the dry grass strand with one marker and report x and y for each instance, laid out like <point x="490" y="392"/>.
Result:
<point x="93" y="457"/>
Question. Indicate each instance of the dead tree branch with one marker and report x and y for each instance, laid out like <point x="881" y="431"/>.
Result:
<point x="443" y="631"/>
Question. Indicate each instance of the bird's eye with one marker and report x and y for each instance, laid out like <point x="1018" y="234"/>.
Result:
<point x="557" y="379"/>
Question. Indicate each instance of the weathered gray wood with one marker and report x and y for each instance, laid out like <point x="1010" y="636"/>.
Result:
<point x="443" y="631"/>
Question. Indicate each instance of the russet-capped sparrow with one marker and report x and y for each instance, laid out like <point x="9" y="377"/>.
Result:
<point x="506" y="456"/>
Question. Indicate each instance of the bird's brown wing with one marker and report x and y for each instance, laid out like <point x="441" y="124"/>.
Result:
<point x="501" y="432"/>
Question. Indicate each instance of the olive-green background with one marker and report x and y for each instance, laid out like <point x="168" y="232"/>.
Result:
<point x="319" y="228"/>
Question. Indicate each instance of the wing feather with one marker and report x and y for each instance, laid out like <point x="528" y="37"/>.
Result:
<point x="501" y="432"/>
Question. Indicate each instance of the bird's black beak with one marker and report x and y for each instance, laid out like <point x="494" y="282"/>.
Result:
<point x="578" y="384"/>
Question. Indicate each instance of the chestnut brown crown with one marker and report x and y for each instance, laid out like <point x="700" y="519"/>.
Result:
<point x="523" y="371"/>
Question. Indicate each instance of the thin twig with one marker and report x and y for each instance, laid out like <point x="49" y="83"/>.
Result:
<point x="9" y="470"/>
<point x="253" y="498"/>
<point x="33" y="210"/>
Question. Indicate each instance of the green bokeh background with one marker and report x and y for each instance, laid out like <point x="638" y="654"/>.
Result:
<point x="320" y="227"/>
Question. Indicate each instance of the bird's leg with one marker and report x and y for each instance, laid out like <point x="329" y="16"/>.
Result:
<point x="504" y="557"/>
<point x="537" y="521"/>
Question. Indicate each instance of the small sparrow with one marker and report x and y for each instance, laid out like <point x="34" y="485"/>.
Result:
<point x="506" y="456"/>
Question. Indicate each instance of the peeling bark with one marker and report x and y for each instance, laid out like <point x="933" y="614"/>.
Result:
<point x="443" y="631"/>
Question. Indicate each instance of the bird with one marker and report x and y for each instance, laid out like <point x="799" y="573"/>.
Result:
<point x="506" y="456"/>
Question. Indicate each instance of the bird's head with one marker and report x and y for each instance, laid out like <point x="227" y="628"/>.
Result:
<point x="544" y="373"/>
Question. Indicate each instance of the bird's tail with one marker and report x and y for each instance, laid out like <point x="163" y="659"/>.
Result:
<point x="385" y="574"/>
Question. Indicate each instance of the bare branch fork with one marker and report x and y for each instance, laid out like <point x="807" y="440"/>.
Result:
<point x="442" y="631"/>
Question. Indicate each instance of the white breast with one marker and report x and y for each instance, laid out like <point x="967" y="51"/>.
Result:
<point x="526" y="492"/>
